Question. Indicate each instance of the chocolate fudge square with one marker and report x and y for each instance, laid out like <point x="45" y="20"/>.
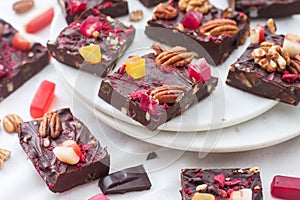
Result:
<point x="59" y="128"/>
<point x="151" y="3"/>
<point x="73" y="8"/>
<point x="266" y="8"/>
<point x="19" y="61"/>
<point x="270" y="76"/>
<point x="162" y="94"/>
<point x="92" y="28"/>
<point x="220" y="183"/>
<point x="209" y="31"/>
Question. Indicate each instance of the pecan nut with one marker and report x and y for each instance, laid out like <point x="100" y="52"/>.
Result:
<point x="4" y="155"/>
<point x="176" y="56"/>
<point x="11" y="123"/>
<point x="202" y="6"/>
<point x="50" y="125"/>
<point x="168" y="93"/>
<point x="136" y="15"/>
<point x="294" y="66"/>
<point x="219" y="27"/>
<point x="164" y="11"/>
<point x="271" y="57"/>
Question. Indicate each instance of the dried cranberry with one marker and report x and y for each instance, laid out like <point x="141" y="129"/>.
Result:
<point x="220" y="179"/>
<point x="77" y="6"/>
<point x="3" y="71"/>
<point x="138" y="94"/>
<point x="148" y="104"/>
<point x="232" y="182"/>
<point x="290" y="78"/>
<point x="89" y="25"/>
<point x="192" y="19"/>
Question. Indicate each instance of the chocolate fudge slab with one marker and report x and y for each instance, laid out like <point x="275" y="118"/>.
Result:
<point x="151" y="3"/>
<point x="113" y="38"/>
<point x="248" y="76"/>
<point x="266" y="8"/>
<point x="117" y="89"/>
<point x="220" y="182"/>
<point x="113" y="8"/>
<point x="216" y="49"/>
<point x="60" y="176"/>
<point x="17" y="66"/>
<point x="126" y="180"/>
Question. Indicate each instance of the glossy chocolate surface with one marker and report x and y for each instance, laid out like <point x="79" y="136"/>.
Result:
<point x="16" y="66"/>
<point x="113" y="8"/>
<point x="126" y="180"/>
<point x="151" y="3"/>
<point x="114" y="39"/>
<point x="116" y="90"/>
<point x="220" y="182"/>
<point x="248" y="76"/>
<point x="60" y="176"/>
<point x="266" y="8"/>
<point x="215" y="49"/>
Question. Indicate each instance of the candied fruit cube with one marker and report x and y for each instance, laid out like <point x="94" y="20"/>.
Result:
<point x="192" y="19"/>
<point x="135" y="67"/>
<point x="285" y="187"/>
<point x="91" y="53"/>
<point x="199" y="71"/>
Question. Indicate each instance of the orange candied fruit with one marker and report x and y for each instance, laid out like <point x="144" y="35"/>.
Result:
<point x="135" y="67"/>
<point x="91" y="53"/>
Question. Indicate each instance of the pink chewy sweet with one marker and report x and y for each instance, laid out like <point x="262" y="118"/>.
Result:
<point x="199" y="71"/>
<point x="284" y="187"/>
<point x="42" y="99"/>
<point x="192" y="19"/>
<point x="99" y="197"/>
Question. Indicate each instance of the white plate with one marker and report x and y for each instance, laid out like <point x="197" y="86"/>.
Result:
<point x="225" y="107"/>
<point x="271" y="128"/>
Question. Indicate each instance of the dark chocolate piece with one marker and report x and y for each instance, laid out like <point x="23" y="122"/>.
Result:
<point x="215" y="49"/>
<point x="16" y="66"/>
<point x="60" y="176"/>
<point x="266" y="8"/>
<point x="117" y="89"/>
<point x="151" y="156"/>
<point x="151" y="3"/>
<point x="73" y="8"/>
<point x="248" y="76"/>
<point x="113" y="38"/>
<point x="126" y="180"/>
<point x="220" y="182"/>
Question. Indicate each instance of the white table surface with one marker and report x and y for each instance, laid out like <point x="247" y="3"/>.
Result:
<point x="19" y="180"/>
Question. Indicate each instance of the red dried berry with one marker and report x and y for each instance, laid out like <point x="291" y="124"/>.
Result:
<point x="138" y="94"/>
<point x="3" y="70"/>
<point x="220" y="179"/>
<point x="232" y="182"/>
<point x="148" y="104"/>
<point x="290" y="78"/>
<point x="89" y="25"/>
<point x="76" y="6"/>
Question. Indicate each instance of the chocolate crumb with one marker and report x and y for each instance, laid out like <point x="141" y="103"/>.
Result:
<point x="151" y="156"/>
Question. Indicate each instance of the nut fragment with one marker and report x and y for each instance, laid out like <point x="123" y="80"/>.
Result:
<point x="157" y="47"/>
<point x="254" y="170"/>
<point x="168" y="93"/>
<point x="271" y="25"/>
<point x="271" y="57"/>
<point x="219" y="27"/>
<point x="294" y="66"/>
<point x="164" y="11"/>
<point x="4" y="154"/>
<point x="50" y="125"/>
<point x="176" y="56"/>
<point x="202" y="6"/>
<point x="136" y="15"/>
<point x="23" y="6"/>
<point x="11" y="123"/>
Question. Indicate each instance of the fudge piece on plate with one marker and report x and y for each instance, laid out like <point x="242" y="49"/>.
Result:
<point x="155" y="88"/>
<point x="20" y="59"/>
<point x="63" y="151"/>
<point x="270" y="66"/>
<point x="151" y="3"/>
<point x="202" y="28"/>
<point x="73" y="8"/>
<point x="93" y="43"/>
<point x="266" y="8"/>
<point x="231" y="183"/>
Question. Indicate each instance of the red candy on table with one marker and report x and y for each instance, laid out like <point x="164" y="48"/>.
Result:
<point x="42" y="99"/>
<point x="99" y="197"/>
<point x="285" y="187"/>
<point x="40" y="21"/>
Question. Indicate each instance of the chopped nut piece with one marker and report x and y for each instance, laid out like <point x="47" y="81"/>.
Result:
<point x="202" y="6"/>
<point x="254" y="170"/>
<point x="219" y="27"/>
<point x="4" y="154"/>
<point x="11" y="123"/>
<point x="271" y="25"/>
<point x="136" y="15"/>
<point x="164" y="11"/>
<point x="50" y="125"/>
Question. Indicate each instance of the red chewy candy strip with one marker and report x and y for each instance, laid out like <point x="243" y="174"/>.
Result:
<point x="42" y="99"/>
<point x="285" y="187"/>
<point x="40" y="21"/>
<point x="99" y="197"/>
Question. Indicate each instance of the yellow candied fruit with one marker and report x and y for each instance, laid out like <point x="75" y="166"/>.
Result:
<point x="135" y="67"/>
<point x="91" y="53"/>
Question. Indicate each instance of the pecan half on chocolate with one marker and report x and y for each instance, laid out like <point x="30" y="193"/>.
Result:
<point x="168" y="93"/>
<point x="176" y="56"/>
<point x="294" y="66"/>
<point x="50" y="125"/>
<point x="164" y="11"/>
<point x="218" y="27"/>
<point x="202" y="6"/>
